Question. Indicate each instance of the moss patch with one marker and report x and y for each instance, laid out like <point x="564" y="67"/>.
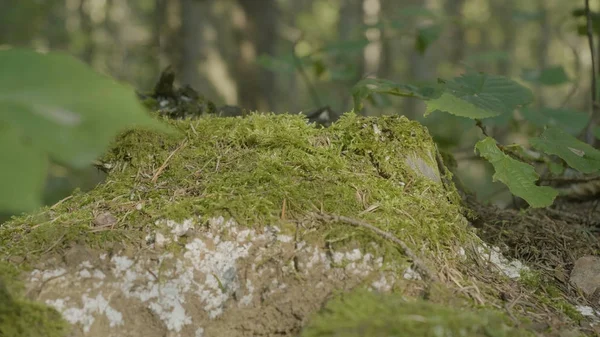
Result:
<point x="22" y="317"/>
<point x="363" y="313"/>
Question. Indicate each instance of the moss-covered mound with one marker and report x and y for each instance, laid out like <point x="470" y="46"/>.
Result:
<point x="258" y="170"/>
<point x="160" y="221"/>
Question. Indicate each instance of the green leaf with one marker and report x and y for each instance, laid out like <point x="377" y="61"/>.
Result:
<point x="478" y="95"/>
<point x="554" y="75"/>
<point x="57" y="107"/>
<point x="426" y="36"/>
<point x="597" y="132"/>
<point x="572" y="121"/>
<point x="577" y="154"/>
<point x="518" y="176"/>
<point x="365" y="87"/>
<point x="458" y="107"/>
<point x="23" y="172"/>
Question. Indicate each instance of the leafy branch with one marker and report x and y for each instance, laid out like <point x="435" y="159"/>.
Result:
<point x="479" y="96"/>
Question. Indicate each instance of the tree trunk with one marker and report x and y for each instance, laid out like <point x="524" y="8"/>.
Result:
<point x="256" y="34"/>
<point x="87" y="28"/>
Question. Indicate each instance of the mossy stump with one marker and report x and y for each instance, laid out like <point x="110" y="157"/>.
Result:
<point x="212" y="231"/>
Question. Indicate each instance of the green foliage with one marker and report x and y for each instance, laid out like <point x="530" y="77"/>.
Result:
<point x="488" y="94"/>
<point x="478" y="96"/>
<point x="572" y="121"/>
<point x="554" y="75"/>
<point x="473" y="95"/>
<point x="426" y="36"/>
<point x="518" y="176"/>
<point x="55" y="108"/>
<point x="366" y="87"/>
<point x="577" y="154"/>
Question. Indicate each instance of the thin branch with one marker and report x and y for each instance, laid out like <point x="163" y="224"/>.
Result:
<point x="421" y="267"/>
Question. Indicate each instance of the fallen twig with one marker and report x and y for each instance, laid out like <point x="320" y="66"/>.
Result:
<point x="164" y="165"/>
<point x="421" y="267"/>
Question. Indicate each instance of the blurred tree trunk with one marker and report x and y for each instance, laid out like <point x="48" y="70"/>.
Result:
<point x="505" y="9"/>
<point x="192" y="15"/>
<point x="172" y="33"/>
<point x="157" y="29"/>
<point x="256" y="34"/>
<point x="291" y="81"/>
<point x="456" y="33"/>
<point x="386" y="64"/>
<point x="351" y="17"/>
<point x="56" y="29"/>
<point x="420" y="68"/>
<point x="541" y="49"/>
<point x="87" y="28"/>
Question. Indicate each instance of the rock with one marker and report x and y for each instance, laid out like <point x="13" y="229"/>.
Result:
<point x="586" y="274"/>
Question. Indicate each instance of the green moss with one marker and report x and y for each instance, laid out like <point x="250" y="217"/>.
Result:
<point x="548" y="294"/>
<point x="20" y="317"/>
<point x="246" y="169"/>
<point x="363" y="313"/>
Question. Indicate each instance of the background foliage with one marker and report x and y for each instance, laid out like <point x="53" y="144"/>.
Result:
<point x="298" y="55"/>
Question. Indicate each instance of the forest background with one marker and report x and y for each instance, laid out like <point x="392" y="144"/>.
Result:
<point x="301" y="55"/>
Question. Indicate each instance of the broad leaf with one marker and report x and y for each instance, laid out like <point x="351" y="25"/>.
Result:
<point x="554" y="75"/>
<point x="23" y="172"/>
<point x="57" y="107"/>
<point x="518" y="176"/>
<point x="368" y="86"/>
<point x="577" y="154"/>
<point x="458" y="107"/>
<point x="478" y="95"/>
<point x="572" y="121"/>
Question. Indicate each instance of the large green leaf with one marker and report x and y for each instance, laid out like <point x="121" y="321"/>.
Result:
<point x="572" y="121"/>
<point x="518" y="176"/>
<point x="55" y="106"/>
<point x="365" y="87"/>
<point x="577" y="154"/>
<point x="554" y="75"/>
<point x="478" y="95"/>
<point x="22" y="172"/>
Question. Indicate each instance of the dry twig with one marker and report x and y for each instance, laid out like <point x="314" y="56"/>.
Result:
<point x="421" y="267"/>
